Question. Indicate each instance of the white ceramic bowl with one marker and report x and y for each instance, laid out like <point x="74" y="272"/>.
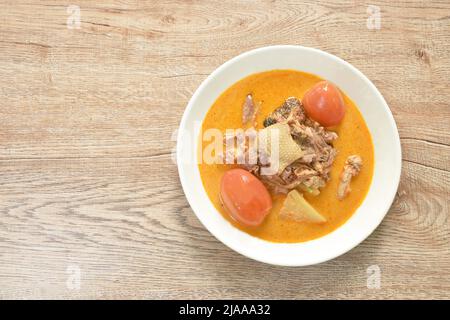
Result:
<point x="376" y="114"/>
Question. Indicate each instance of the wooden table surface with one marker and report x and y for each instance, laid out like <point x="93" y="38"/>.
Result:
<point x="90" y="201"/>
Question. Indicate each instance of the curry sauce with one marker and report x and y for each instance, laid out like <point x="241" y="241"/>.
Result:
<point x="271" y="89"/>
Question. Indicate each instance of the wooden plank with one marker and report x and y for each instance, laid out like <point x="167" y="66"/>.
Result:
<point x="87" y="119"/>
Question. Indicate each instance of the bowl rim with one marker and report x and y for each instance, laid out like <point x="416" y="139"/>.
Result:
<point x="340" y="250"/>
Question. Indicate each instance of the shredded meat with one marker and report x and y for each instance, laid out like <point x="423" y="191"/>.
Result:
<point x="249" y="110"/>
<point x="311" y="171"/>
<point x="352" y="168"/>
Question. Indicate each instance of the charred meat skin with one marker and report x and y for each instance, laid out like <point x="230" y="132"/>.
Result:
<point x="351" y="169"/>
<point x="268" y="122"/>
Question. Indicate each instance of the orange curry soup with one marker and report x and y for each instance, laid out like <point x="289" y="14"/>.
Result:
<point x="272" y="88"/>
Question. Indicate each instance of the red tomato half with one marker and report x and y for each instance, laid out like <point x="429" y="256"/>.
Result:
<point x="324" y="104"/>
<point x="244" y="197"/>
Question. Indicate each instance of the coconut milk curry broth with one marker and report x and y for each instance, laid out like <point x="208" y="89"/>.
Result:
<point x="270" y="90"/>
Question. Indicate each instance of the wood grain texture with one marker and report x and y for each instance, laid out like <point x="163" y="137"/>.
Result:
<point x="86" y="123"/>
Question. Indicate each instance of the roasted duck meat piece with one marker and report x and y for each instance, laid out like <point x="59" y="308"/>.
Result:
<point x="351" y="169"/>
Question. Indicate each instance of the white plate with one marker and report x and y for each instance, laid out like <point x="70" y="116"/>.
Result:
<point x="376" y="113"/>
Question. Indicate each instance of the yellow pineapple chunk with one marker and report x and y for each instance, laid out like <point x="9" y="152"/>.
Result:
<point x="296" y="208"/>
